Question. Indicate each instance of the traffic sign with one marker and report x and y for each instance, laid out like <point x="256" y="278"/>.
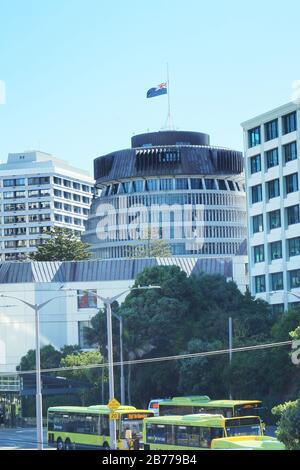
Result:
<point x="113" y="404"/>
<point x="113" y="416"/>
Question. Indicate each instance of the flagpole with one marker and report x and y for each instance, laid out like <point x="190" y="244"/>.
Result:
<point x="168" y="92"/>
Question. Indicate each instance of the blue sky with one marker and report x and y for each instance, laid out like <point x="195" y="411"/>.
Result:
<point x="77" y="71"/>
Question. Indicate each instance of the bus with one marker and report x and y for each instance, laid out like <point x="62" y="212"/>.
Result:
<point x="205" y="432"/>
<point x="76" y="427"/>
<point x="203" y="404"/>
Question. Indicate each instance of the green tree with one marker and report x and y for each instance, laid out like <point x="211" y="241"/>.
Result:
<point x="50" y="358"/>
<point x="288" y="430"/>
<point x="63" y="245"/>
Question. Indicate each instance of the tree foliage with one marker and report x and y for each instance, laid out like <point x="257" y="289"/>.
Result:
<point x="63" y="245"/>
<point x="288" y="430"/>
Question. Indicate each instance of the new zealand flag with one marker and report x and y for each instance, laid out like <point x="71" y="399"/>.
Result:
<point x="161" y="89"/>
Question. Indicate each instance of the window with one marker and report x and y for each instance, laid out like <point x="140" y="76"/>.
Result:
<point x="166" y="184"/>
<point x="57" y="180"/>
<point x="151" y="185"/>
<point x="67" y="183"/>
<point x="255" y="164"/>
<point x="289" y="123"/>
<point x="181" y="183"/>
<point x="33" y="181"/>
<point x="254" y="137"/>
<point x="138" y="186"/>
<point x="85" y="188"/>
<point x="210" y="184"/>
<point x="82" y="339"/>
<point x="291" y="183"/>
<point x="271" y="130"/>
<point x="196" y="183"/>
<point x="222" y="185"/>
<point x="258" y="223"/>
<point x="33" y="193"/>
<point x="293" y="215"/>
<point x="58" y="217"/>
<point x="273" y="188"/>
<point x="290" y="152"/>
<point x="274" y="219"/>
<point x="19" y="194"/>
<point x="259" y="254"/>
<point x="260" y="284"/>
<point x="294" y="278"/>
<point x="57" y="193"/>
<point x="85" y="200"/>
<point x="276" y="250"/>
<point x="7" y="183"/>
<point x="58" y="205"/>
<point x="272" y="158"/>
<point x="231" y="185"/>
<point x="77" y="210"/>
<point x="256" y="193"/>
<point x="68" y="207"/>
<point x="68" y="195"/>
<point x="86" y="299"/>
<point x="294" y="246"/>
<point x="68" y="219"/>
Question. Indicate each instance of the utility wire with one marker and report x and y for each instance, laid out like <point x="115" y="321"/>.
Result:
<point x="156" y="359"/>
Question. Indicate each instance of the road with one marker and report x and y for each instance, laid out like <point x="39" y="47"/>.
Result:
<point x="20" y="438"/>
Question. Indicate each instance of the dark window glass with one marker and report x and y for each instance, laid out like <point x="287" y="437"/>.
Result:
<point x="293" y="215"/>
<point x="274" y="219"/>
<point x="256" y="193"/>
<point x="271" y="130"/>
<point x="260" y="284"/>
<point x="289" y="123"/>
<point x="255" y="163"/>
<point x="181" y="183"/>
<point x="254" y="137"/>
<point x="222" y="185"/>
<point x="290" y="152"/>
<point x="196" y="183"/>
<point x="151" y="185"/>
<point x="276" y="250"/>
<point x="166" y="184"/>
<point x="86" y="299"/>
<point x="294" y="246"/>
<point x="295" y="278"/>
<point x="291" y="183"/>
<point x="210" y="184"/>
<point x="259" y="254"/>
<point x="273" y="188"/>
<point x="258" y="223"/>
<point x="272" y="158"/>
<point x="231" y="185"/>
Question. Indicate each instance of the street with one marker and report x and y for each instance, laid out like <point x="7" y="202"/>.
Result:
<point x="19" y="438"/>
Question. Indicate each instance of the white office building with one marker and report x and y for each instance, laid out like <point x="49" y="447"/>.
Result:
<point x="37" y="192"/>
<point x="272" y="166"/>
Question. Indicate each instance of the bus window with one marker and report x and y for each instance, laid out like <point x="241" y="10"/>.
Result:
<point x="205" y="437"/>
<point x="182" y="436"/>
<point x="243" y="427"/>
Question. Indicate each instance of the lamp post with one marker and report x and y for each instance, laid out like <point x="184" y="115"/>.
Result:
<point x="39" y="405"/>
<point x="108" y="301"/>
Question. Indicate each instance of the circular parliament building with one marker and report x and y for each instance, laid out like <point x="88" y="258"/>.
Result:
<point x="172" y="186"/>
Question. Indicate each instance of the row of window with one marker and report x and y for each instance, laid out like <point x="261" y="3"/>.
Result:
<point x="23" y="219"/>
<point x="271" y="157"/>
<point x="22" y="206"/>
<point x="169" y="184"/>
<point x="68" y="220"/>
<point x="273" y="188"/>
<point x="71" y="196"/>
<point x="292" y="216"/>
<point x="275" y="250"/>
<point x="289" y="124"/>
<point x="276" y="281"/>
<point x="71" y="208"/>
<point x="27" y="194"/>
<point x="23" y="243"/>
<point x="72" y="184"/>
<point x="23" y="231"/>
<point x="38" y="181"/>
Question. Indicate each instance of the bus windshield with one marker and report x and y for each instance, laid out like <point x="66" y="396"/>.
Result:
<point x="133" y="422"/>
<point x="243" y="427"/>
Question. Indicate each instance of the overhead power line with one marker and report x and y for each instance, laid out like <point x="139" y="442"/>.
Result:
<point x="157" y="359"/>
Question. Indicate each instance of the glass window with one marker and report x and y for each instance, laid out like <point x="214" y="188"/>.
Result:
<point x="260" y="284"/>
<point x="231" y="185"/>
<point x="34" y="181"/>
<point x="151" y="185"/>
<point x="256" y="192"/>
<point x="181" y="183"/>
<point x="19" y="194"/>
<point x="276" y="250"/>
<point x="290" y="152"/>
<point x="294" y="278"/>
<point x="222" y="185"/>
<point x="57" y="180"/>
<point x="138" y="186"/>
<point x="259" y="254"/>
<point x="166" y="184"/>
<point x="274" y="219"/>
<point x="86" y="299"/>
<point x="291" y="183"/>
<point x="67" y="195"/>
<point x="85" y="199"/>
<point x="77" y="186"/>
<point x="258" y="223"/>
<point x="196" y="183"/>
<point x="273" y="188"/>
<point x="254" y="137"/>
<point x="210" y="184"/>
<point x="255" y="164"/>
<point x="67" y="183"/>
<point x="82" y="337"/>
<point x="293" y="215"/>
<point x="33" y="193"/>
<point x="57" y="193"/>
<point x="289" y="123"/>
<point x="271" y="130"/>
<point x="272" y="158"/>
<point x="294" y="246"/>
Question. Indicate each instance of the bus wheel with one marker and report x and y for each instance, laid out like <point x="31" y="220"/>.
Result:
<point x="106" y="446"/>
<point x="68" y="445"/>
<point x="59" y="444"/>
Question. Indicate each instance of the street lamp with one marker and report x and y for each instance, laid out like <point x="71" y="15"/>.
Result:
<point x="39" y="409"/>
<point x="108" y="301"/>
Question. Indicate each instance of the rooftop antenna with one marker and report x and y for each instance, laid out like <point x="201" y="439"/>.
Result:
<point x="169" y="121"/>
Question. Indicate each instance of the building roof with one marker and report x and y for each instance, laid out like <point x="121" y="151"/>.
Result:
<point x="105" y="270"/>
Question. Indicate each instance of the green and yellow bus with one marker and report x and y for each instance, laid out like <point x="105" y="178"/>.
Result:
<point x="205" y="431"/>
<point x="76" y="427"/>
<point x="203" y="404"/>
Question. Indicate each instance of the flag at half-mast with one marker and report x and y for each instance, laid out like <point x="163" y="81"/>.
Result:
<point x="161" y="89"/>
